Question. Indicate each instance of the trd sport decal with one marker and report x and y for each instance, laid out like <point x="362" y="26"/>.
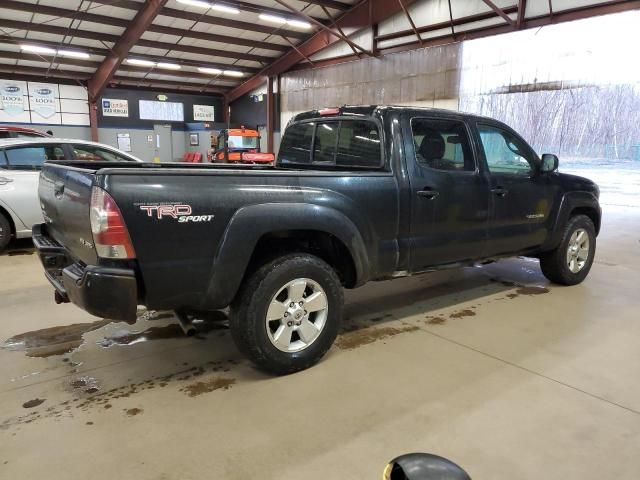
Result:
<point x="180" y="212"/>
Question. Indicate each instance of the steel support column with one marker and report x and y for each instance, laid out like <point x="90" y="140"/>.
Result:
<point x="270" y="114"/>
<point x="93" y="121"/>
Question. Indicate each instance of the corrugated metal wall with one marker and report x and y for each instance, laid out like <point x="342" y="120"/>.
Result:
<point x="428" y="77"/>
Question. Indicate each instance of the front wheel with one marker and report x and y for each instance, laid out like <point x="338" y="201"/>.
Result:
<point x="570" y="262"/>
<point x="287" y="313"/>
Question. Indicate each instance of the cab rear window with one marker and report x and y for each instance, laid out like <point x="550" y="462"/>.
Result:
<point x="344" y="144"/>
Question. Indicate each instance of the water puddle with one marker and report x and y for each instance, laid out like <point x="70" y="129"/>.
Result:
<point x="355" y="338"/>
<point x="64" y="339"/>
<point x="33" y="403"/>
<point x="198" y="388"/>
<point x="214" y="321"/>
<point x="52" y="341"/>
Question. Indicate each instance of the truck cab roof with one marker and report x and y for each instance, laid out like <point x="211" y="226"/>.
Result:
<point x="371" y="110"/>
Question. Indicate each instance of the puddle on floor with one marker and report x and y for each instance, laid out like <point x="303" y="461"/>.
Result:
<point x="198" y="388"/>
<point x="33" y="403"/>
<point x="214" y="321"/>
<point x="358" y="336"/>
<point x="463" y="313"/>
<point x="65" y="339"/>
<point x="52" y="341"/>
<point x="206" y="378"/>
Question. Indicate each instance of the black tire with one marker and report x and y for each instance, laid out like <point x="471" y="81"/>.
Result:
<point x="247" y="321"/>
<point x="554" y="263"/>
<point x="5" y="232"/>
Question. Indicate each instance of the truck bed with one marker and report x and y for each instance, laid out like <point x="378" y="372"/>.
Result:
<point x="198" y="260"/>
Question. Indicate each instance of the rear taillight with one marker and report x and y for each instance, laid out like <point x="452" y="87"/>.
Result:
<point x="110" y="234"/>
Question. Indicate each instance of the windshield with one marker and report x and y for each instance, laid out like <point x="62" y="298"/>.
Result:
<point x="237" y="141"/>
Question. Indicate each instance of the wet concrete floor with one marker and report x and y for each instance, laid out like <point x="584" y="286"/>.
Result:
<point x="493" y="367"/>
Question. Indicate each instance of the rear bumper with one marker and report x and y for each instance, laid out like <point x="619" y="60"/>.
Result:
<point x="102" y="291"/>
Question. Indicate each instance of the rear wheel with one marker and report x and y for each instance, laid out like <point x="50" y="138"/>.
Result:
<point x="5" y="232"/>
<point x="288" y="313"/>
<point x="570" y="262"/>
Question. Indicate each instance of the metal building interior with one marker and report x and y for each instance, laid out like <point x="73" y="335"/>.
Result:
<point x="490" y="366"/>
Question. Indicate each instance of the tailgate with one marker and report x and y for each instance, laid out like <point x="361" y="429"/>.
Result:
<point x="65" y="199"/>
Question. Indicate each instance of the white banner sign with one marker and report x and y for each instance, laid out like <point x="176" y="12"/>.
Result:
<point x="112" y="107"/>
<point x="203" y="113"/>
<point x="12" y="98"/>
<point x="43" y="100"/>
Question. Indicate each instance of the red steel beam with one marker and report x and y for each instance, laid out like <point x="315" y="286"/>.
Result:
<point x="440" y="25"/>
<point x="240" y="5"/>
<point x="118" y="53"/>
<point x="64" y="13"/>
<point x="578" y="13"/>
<point x="214" y="37"/>
<point x="225" y="22"/>
<point x="499" y="11"/>
<point x="270" y="114"/>
<point x="331" y="4"/>
<point x="522" y="8"/>
<point x="359" y="17"/>
<point x="338" y="34"/>
<point x="337" y="27"/>
<point x="122" y="23"/>
<point x="105" y="37"/>
<point x="413" y="25"/>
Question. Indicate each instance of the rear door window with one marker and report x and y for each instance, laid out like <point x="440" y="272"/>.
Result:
<point x="94" y="153"/>
<point x="442" y="145"/>
<point x="33" y="157"/>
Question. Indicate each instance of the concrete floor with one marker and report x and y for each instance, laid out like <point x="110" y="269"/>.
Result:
<point x="508" y="376"/>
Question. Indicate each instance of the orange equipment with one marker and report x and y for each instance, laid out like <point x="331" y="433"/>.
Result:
<point x="240" y="145"/>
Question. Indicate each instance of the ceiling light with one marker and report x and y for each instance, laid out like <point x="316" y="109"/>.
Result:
<point x="272" y="18"/>
<point x="73" y="54"/>
<point x="141" y="63"/>
<point x="168" y="66"/>
<point x="212" y="71"/>
<point x="224" y="9"/>
<point x="37" y="49"/>
<point x="299" y="24"/>
<point x="195" y="3"/>
<point x="233" y="73"/>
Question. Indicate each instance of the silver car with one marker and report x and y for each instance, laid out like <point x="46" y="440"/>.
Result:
<point x="20" y="162"/>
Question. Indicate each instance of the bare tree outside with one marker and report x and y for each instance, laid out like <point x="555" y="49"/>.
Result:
<point x="597" y="123"/>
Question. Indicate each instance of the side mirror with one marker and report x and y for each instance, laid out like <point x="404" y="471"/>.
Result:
<point x="549" y="163"/>
<point x="423" y="466"/>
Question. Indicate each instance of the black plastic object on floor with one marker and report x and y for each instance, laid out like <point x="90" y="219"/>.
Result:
<point x="423" y="466"/>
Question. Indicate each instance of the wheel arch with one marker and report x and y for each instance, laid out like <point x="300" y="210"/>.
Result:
<point x="259" y="232"/>
<point x="9" y="217"/>
<point x="571" y="204"/>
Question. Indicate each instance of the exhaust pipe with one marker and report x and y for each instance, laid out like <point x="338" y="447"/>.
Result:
<point x="59" y="298"/>
<point x="186" y="323"/>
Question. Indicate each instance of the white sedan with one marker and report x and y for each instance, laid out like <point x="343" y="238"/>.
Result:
<point x="20" y="164"/>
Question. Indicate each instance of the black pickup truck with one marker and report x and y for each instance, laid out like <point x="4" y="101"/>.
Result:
<point x="357" y="194"/>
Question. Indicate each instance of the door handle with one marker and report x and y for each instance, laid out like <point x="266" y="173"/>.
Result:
<point x="5" y="180"/>
<point x="427" y="193"/>
<point x="500" y="191"/>
<point x="58" y="189"/>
